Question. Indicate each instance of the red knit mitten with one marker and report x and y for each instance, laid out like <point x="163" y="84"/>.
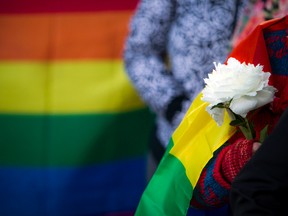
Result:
<point x="236" y="157"/>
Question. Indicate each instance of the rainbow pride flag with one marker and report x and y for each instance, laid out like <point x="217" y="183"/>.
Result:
<point x="73" y="131"/>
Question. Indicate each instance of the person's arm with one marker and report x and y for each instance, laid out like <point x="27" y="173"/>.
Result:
<point x="195" y="34"/>
<point x="212" y="189"/>
<point x="145" y="60"/>
<point x="213" y="186"/>
<point x="262" y="185"/>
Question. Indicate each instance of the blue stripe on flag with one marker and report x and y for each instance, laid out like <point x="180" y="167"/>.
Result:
<point x="93" y="190"/>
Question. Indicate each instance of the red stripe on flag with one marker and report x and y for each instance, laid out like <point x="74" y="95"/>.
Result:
<point x="54" y="6"/>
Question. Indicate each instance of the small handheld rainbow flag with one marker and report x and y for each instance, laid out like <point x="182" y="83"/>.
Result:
<point x="192" y="145"/>
<point x="190" y="148"/>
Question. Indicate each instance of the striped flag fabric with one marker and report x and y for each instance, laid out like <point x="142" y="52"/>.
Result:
<point x="73" y="131"/>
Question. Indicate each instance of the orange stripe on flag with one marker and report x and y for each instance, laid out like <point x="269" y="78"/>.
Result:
<point x="63" y="36"/>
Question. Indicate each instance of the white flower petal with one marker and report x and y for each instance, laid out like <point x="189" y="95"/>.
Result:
<point x="265" y="96"/>
<point x="245" y="84"/>
<point x="243" y="105"/>
<point x="217" y="114"/>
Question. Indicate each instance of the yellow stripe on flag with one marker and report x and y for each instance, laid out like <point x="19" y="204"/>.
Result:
<point x="66" y="87"/>
<point x="197" y="137"/>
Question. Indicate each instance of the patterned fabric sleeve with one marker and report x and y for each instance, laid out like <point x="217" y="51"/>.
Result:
<point x="212" y="189"/>
<point x="193" y="33"/>
<point x="200" y="36"/>
<point x="145" y="54"/>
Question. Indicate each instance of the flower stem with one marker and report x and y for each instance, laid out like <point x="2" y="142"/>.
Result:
<point x="244" y="125"/>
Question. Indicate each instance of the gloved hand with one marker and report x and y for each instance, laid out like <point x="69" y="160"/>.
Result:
<point x="237" y="156"/>
<point x="179" y="115"/>
<point x="176" y="110"/>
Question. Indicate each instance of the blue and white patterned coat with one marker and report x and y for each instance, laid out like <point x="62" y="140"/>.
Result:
<point x="193" y="33"/>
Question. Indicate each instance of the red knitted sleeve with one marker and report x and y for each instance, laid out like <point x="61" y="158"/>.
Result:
<point x="212" y="189"/>
<point x="213" y="186"/>
<point x="235" y="158"/>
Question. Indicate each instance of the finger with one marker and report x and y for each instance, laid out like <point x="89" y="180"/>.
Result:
<point x="256" y="146"/>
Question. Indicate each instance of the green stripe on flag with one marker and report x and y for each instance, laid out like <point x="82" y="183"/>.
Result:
<point x="69" y="140"/>
<point x="167" y="194"/>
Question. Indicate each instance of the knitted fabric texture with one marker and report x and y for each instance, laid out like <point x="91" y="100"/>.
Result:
<point x="215" y="181"/>
<point x="236" y="157"/>
<point x="226" y="163"/>
<point x="212" y="189"/>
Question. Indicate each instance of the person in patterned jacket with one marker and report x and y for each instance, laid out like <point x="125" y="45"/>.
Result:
<point x="168" y="52"/>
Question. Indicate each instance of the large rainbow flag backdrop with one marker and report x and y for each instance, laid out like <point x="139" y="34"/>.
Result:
<point x="73" y="131"/>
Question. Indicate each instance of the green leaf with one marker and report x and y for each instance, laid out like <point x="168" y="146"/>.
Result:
<point x="263" y="134"/>
<point x="239" y="117"/>
<point x="246" y="132"/>
<point x="251" y="128"/>
<point x="219" y="105"/>
<point x="237" y="122"/>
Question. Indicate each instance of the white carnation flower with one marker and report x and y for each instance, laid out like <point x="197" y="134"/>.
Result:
<point x="244" y="85"/>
